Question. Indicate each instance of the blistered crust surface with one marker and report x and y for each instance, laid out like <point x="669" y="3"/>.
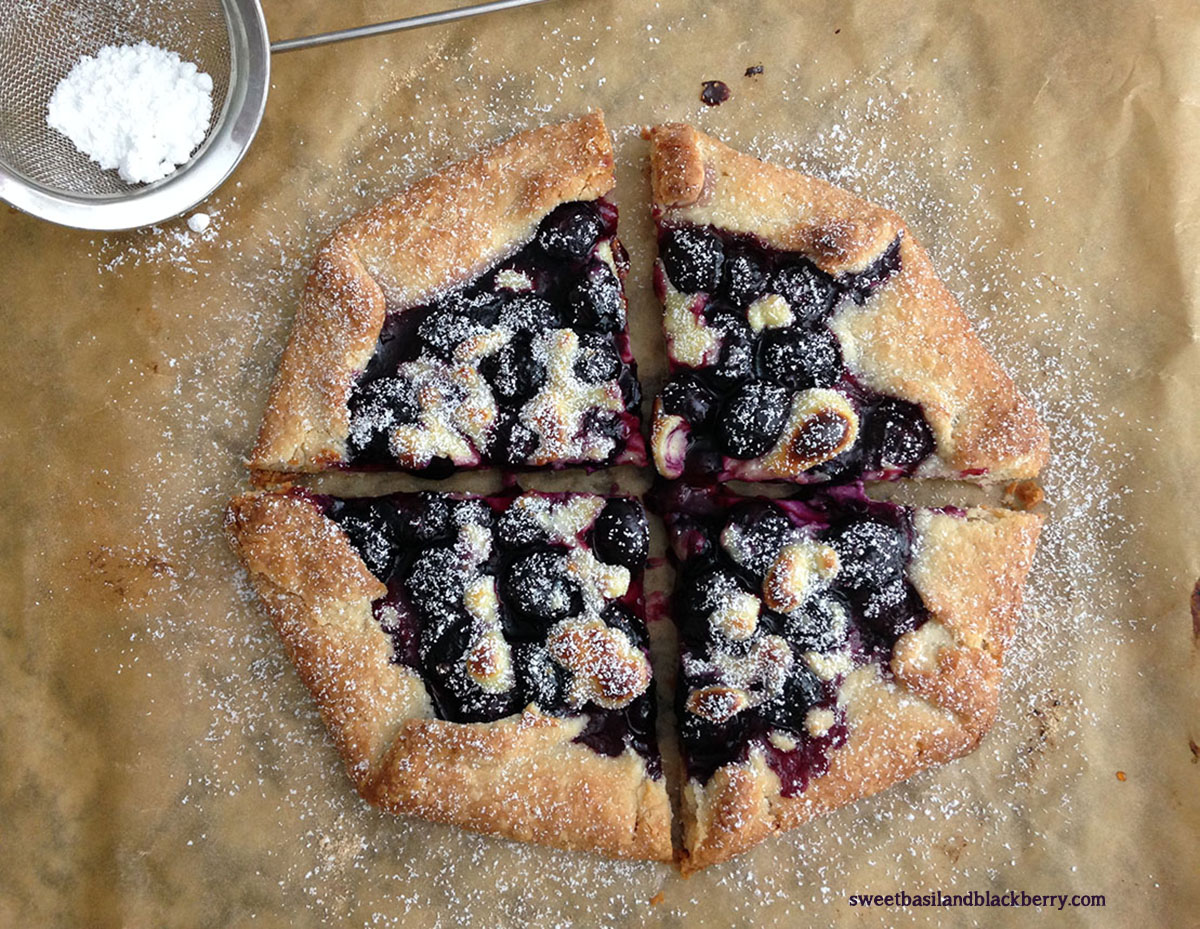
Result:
<point x="520" y="777"/>
<point x="970" y="572"/>
<point x="318" y="594"/>
<point x="524" y="778"/>
<point x="696" y="179"/>
<point x="440" y="232"/>
<point x="911" y="339"/>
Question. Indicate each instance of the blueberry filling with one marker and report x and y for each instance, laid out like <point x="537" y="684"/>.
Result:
<point x="769" y="313"/>
<point x="570" y="231"/>
<point x="800" y="358"/>
<point x="767" y="638"/>
<point x="538" y="590"/>
<point x="693" y="256"/>
<point x="752" y="419"/>
<point x="595" y="302"/>
<point x="688" y="396"/>
<point x="488" y="600"/>
<point x="745" y="277"/>
<point x="515" y="372"/>
<point x="464" y="380"/>
<point x="620" y="534"/>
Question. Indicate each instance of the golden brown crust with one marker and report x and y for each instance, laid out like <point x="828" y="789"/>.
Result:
<point x="911" y="340"/>
<point x="520" y="777"/>
<point x="696" y="179"/>
<point x="318" y="594"/>
<point x="523" y="777"/>
<point x="440" y="232"/>
<point x="970" y="572"/>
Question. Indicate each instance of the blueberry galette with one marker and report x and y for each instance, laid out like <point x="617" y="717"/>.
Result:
<point x="483" y="661"/>
<point x="478" y="660"/>
<point x="476" y="318"/>
<point x="809" y="338"/>
<point x="831" y="646"/>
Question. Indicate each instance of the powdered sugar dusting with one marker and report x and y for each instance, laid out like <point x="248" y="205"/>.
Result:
<point x="138" y="109"/>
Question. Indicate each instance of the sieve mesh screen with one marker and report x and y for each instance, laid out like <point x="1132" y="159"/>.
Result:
<point x="41" y="40"/>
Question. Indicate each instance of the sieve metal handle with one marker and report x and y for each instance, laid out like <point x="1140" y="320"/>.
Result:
<point x="397" y="25"/>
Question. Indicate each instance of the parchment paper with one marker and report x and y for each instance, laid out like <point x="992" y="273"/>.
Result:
<point x="161" y="764"/>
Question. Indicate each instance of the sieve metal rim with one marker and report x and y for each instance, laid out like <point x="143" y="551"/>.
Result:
<point x="214" y="161"/>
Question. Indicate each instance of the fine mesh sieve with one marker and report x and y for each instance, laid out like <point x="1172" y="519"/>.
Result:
<point x="41" y="171"/>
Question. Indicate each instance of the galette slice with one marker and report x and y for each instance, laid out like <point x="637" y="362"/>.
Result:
<point x="480" y="661"/>
<point x="809" y="338"/>
<point x="831" y="646"/>
<point x="476" y="318"/>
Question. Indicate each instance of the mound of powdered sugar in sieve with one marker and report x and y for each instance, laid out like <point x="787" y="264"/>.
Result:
<point x="137" y="108"/>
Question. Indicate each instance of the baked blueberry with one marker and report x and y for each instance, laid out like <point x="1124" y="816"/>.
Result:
<point x="518" y="527"/>
<point x="538" y="588"/>
<point x="850" y="463"/>
<point x="596" y="361"/>
<point x="686" y="395"/>
<point x="424" y="519"/>
<point x="529" y="313"/>
<point x="514" y="371"/>
<point x="801" y="692"/>
<point x="433" y="523"/>
<point x="472" y="512"/>
<point x="445" y="328"/>
<point x="479" y="306"/>
<point x="744" y="279"/>
<point x="899" y="435"/>
<point x="570" y="231"/>
<point x="735" y="363"/>
<point x="600" y="423"/>
<point x="621" y="617"/>
<point x="391" y="348"/>
<point x="639" y="718"/>
<point x="700" y="594"/>
<point x="860" y="286"/>
<point x="376" y="408"/>
<point x="473" y="704"/>
<point x="693" y="257"/>
<point x="595" y="302"/>
<point x="800" y="358"/>
<point x="444" y="641"/>
<point x="539" y="677"/>
<point x="886" y="606"/>
<point x="809" y="292"/>
<point x="870" y="553"/>
<point x="761" y="531"/>
<point x="707" y="745"/>
<point x="372" y="535"/>
<point x="818" y="626"/>
<point x="435" y="581"/>
<point x="513" y="442"/>
<point x="752" y="419"/>
<point x="631" y="389"/>
<point x="620" y="534"/>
